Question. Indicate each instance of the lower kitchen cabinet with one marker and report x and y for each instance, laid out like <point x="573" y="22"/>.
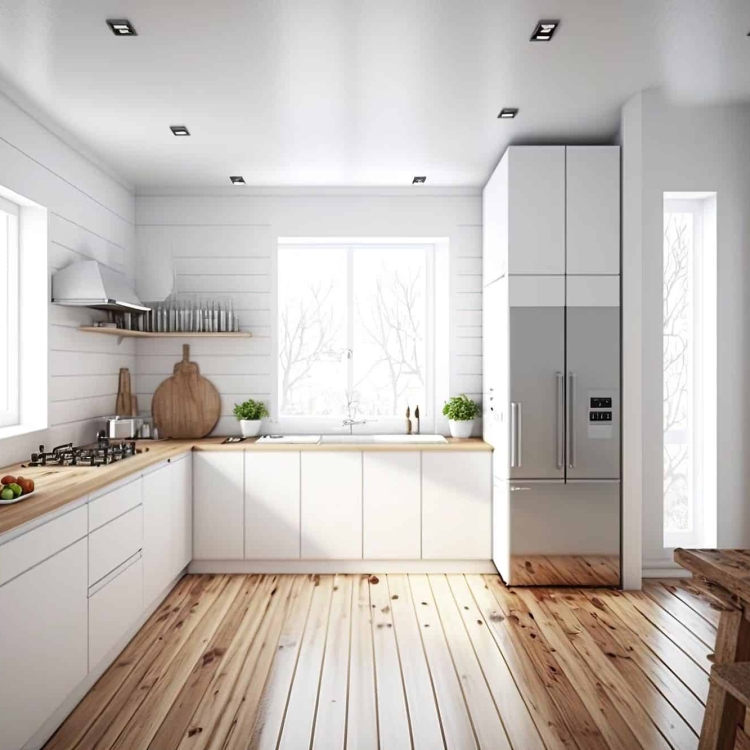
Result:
<point x="332" y="505"/>
<point x="181" y="470"/>
<point x="157" y="532"/>
<point x="113" y="609"/>
<point x="457" y="506"/>
<point x="43" y="642"/>
<point x="167" y="524"/>
<point x="218" y="505"/>
<point x="392" y="505"/>
<point x="272" y="505"/>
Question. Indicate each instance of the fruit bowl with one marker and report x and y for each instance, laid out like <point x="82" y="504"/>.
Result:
<point x="13" y="489"/>
<point x="17" y="499"/>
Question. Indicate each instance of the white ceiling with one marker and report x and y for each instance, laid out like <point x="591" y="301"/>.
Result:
<point x="355" y="92"/>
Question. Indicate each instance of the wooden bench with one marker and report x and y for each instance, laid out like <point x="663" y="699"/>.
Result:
<point x="734" y="679"/>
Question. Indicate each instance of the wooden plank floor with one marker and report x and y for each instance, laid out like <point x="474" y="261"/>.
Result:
<point x="396" y="661"/>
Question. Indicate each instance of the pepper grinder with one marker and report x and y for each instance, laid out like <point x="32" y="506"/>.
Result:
<point x="416" y="416"/>
<point x="408" y="421"/>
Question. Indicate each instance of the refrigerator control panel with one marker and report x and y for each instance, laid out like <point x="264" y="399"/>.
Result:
<point x="600" y="415"/>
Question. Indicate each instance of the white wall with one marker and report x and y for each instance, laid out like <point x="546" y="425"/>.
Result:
<point x="668" y="147"/>
<point x="91" y="215"/>
<point x="223" y="244"/>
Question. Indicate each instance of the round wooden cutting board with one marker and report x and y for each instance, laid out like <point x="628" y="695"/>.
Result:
<point x="186" y="405"/>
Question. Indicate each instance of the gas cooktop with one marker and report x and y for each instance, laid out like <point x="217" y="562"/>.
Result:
<point x="101" y="453"/>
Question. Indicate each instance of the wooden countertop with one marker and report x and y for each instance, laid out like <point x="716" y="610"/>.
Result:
<point x="58" y="486"/>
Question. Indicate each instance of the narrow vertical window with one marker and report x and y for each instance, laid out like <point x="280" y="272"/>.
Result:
<point x="689" y="369"/>
<point x="9" y="314"/>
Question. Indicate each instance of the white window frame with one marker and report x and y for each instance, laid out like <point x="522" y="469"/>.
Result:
<point x="10" y="299"/>
<point x="300" y="424"/>
<point x="702" y="375"/>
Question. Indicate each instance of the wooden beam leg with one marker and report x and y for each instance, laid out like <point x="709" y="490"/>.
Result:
<point x="724" y="712"/>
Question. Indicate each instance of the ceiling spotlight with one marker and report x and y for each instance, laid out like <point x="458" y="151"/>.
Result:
<point x="544" y="31"/>
<point x="418" y="180"/>
<point x="122" y="28"/>
<point x="237" y="179"/>
<point x="507" y="113"/>
<point x="179" y="130"/>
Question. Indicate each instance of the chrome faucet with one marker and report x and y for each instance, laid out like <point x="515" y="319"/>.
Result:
<point x="351" y="422"/>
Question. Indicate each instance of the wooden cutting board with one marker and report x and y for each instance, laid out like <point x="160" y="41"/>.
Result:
<point x="186" y="405"/>
<point x="124" y="403"/>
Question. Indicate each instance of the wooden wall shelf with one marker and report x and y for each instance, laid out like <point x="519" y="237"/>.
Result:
<point x="123" y="333"/>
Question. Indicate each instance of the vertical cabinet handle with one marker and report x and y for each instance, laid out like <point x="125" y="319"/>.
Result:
<point x="560" y="420"/>
<point x="572" y="378"/>
<point x="516" y="435"/>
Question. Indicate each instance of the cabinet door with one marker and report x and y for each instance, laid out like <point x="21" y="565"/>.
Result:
<point x="495" y="224"/>
<point x="332" y="505"/>
<point x="182" y="509"/>
<point x="43" y="642"/>
<point x="593" y="210"/>
<point x="495" y="364"/>
<point x="392" y="512"/>
<point x="157" y="532"/>
<point x="272" y="505"/>
<point x="218" y="505"/>
<point x="536" y="210"/>
<point x="113" y="610"/>
<point x="456" y="506"/>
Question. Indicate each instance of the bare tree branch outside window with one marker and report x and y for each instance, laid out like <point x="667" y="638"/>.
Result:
<point x="678" y="240"/>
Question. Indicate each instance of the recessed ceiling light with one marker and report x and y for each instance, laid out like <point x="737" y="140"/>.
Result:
<point x="179" y="129"/>
<point x="418" y="180"/>
<point x="507" y="113"/>
<point x="237" y="179"/>
<point x="544" y="31"/>
<point x="122" y="27"/>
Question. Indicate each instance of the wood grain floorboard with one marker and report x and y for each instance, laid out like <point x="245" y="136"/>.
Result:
<point x="377" y="662"/>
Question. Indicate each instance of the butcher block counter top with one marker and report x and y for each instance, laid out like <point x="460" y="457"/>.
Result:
<point x="58" y="486"/>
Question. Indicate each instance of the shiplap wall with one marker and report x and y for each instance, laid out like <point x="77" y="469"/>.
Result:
<point x="91" y="215"/>
<point x="224" y="244"/>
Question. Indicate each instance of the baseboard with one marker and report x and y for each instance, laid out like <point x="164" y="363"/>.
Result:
<point x="46" y="731"/>
<point x="342" y="566"/>
<point x="664" y="568"/>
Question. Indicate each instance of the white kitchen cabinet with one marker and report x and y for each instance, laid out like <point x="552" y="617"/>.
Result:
<point x="218" y="505"/>
<point x="457" y="505"/>
<point x="157" y="532"/>
<point x="332" y="505"/>
<point x="392" y="505"/>
<point x="593" y="210"/>
<point x="181" y="470"/>
<point x="114" y="543"/>
<point x="495" y="224"/>
<point x="43" y="642"/>
<point x="113" y="610"/>
<point x="272" y="505"/>
<point x="536" y="210"/>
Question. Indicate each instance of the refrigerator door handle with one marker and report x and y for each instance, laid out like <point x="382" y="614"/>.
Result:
<point x="572" y="378"/>
<point x="560" y="420"/>
<point x="516" y="435"/>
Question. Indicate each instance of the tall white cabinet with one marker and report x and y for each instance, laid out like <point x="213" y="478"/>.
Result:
<point x="551" y="224"/>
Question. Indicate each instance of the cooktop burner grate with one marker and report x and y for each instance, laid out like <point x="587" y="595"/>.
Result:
<point x="101" y="454"/>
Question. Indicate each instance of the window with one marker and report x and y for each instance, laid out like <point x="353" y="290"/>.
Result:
<point x="689" y="360"/>
<point x="9" y="314"/>
<point x="355" y="331"/>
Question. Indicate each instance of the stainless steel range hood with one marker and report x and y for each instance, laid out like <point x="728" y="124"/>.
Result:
<point x="87" y="283"/>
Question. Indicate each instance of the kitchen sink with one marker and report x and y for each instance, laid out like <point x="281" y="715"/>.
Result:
<point x="387" y="439"/>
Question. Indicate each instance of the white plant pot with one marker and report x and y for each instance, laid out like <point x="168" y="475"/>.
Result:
<point x="461" y="429"/>
<point x="250" y="427"/>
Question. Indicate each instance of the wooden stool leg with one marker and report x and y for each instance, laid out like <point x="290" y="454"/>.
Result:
<point x="724" y="712"/>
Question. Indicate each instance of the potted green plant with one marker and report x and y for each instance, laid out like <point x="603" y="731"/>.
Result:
<point x="461" y="412"/>
<point x="250" y="413"/>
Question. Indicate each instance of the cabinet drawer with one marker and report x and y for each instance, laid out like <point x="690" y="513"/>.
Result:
<point x="112" y="544"/>
<point x="28" y="550"/>
<point x="114" y="503"/>
<point x="113" y="610"/>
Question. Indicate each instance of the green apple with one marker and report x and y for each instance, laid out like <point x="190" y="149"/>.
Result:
<point x="16" y="488"/>
<point x="7" y="494"/>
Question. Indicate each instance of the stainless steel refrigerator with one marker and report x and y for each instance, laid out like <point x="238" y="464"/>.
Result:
<point x="552" y="412"/>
